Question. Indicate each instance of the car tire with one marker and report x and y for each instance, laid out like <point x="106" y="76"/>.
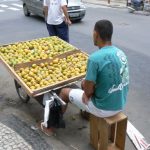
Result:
<point x="21" y="93"/>
<point x="26" y="11"/>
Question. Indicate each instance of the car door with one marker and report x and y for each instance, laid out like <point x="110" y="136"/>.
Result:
<point x="38" y="7"/>
<point x="32" y="6"/>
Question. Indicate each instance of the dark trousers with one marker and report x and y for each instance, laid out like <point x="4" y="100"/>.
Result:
<point x="61" y="30"/>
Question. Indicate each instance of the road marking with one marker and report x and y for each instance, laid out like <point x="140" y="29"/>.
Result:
<point x="18" y="5"/>
<point x="3" y="6"/>
<point x="12" y="8"/>
<point x="1" y="10"/>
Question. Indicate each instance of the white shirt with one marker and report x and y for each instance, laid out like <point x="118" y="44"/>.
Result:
<point x="55" y="13"/>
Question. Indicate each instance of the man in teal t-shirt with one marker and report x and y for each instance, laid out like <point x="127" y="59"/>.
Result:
<point x="107" y="69"/>
<point x="106" y="83"/>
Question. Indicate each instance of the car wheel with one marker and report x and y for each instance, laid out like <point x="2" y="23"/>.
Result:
<point x="25" y="10"/>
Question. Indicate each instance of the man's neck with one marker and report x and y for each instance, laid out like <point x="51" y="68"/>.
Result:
<point x="103" y="44"/>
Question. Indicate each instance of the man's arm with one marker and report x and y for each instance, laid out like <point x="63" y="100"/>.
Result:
<point x="89" y="83"/>
<point x="45" y="11"/>
<point x="45" y="8"/>
<point x="88" y="87"/>
<point x="67" y="20"/>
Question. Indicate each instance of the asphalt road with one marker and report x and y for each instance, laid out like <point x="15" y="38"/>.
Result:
<point x="131" y="33"/>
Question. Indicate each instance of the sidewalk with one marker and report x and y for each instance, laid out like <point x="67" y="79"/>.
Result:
<point x="113" y="3"/>
<point x="16" y="134"/>
<point x="18" y="126"/>
<point x="9" y="139"/>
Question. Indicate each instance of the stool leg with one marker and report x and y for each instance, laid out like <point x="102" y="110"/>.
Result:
<point x="112" y="133"/>
<point x="104" y="135"/>
<point x="94" y="131"/>
<point x="121" y="134"/>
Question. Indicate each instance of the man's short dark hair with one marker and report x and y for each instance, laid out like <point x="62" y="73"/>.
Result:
<point x="105" y="29"/>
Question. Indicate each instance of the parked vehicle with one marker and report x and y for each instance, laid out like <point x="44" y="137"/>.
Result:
<point x="139" y="5"/>
<point x="76" y="8"/>
<point x="147" y="6"/>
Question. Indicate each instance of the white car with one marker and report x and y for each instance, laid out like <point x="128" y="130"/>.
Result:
<point x="76" y="8"/>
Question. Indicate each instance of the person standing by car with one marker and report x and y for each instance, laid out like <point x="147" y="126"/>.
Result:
<point x="57" y="18"/>
<point x="105" y="87"/>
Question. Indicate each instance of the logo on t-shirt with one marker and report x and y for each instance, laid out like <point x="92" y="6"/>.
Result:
<point x="124" y="73"/>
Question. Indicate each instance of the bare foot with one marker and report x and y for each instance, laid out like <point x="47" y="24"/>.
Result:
<point x="47" y="131"/>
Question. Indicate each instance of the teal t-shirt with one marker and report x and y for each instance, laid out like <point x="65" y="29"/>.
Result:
<point x="108" y="69"/>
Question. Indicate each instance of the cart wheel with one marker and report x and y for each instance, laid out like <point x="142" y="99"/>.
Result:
<point x="21" y="93"/>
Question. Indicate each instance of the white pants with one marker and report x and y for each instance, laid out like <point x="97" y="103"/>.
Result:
<point x="75" y="97"/>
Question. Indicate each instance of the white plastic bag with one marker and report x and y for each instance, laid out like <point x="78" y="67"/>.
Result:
<point x="47" y="102"/>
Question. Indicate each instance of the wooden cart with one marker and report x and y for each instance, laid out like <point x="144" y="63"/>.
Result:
<point x="24" y="92"/>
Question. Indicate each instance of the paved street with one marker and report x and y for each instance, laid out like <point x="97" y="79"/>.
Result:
<point x="130" y="34"/>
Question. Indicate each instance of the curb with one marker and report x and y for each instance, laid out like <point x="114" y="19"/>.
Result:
<point x="107" y="5"/>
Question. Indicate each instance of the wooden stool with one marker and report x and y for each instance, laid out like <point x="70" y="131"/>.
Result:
<point x="108" y="133"/>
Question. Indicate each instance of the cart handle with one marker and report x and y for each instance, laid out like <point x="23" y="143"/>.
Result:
<point x="57" y="97"/>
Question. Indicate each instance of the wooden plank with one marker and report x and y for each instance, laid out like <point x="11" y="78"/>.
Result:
<point x="29" y="64"/>
<point x="56" y="88"/>
<point x="121" y="134"/>
<point x="56" y="85"/>
<point x="118" y="117"/>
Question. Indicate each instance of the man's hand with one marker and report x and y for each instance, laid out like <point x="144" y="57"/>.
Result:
<point x="85" y="99"/>
<point x="88" y="87"/>
<point x="82" y="84"/>
<point x="67" y="21"/>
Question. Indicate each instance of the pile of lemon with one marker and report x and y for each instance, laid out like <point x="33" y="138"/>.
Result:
<point x="34" y="50"/>
<point x="53" y="72"/>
